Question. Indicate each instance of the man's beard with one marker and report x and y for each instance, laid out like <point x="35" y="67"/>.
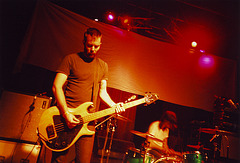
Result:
<point x="89" y="55"/>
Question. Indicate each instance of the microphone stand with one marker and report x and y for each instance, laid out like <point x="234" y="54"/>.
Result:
<point x="110" y="143"/>
<point x="112" y="132"/>
<point x="110" y="128"/>
<point x="215" y="146"/>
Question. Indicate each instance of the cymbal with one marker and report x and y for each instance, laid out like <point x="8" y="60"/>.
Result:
<point x="198" y="147"/>
<point x="215" y="131"/>
<point x="120" y="117"/>
<point x="145" y="135"/>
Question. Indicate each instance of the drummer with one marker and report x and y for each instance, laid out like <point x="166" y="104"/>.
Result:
<point x="160" y="130"/>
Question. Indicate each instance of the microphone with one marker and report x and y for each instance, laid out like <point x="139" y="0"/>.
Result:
<point x="232" y="104"/>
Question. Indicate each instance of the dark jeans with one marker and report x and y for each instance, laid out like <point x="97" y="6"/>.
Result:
<point x="83" y="150"/>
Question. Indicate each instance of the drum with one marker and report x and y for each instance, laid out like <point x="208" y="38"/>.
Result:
<point x="134" y="155"/>
<point x="194" y="157"/>
<point x="169" y="159"/>
<point x="158" y="156"/>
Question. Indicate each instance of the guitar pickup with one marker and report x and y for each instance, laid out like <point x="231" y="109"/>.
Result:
<point x="51" y="132"/>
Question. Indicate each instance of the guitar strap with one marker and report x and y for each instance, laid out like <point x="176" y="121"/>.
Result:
<point x="96" y="101"/>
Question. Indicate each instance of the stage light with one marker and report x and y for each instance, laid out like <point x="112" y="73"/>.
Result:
<point x="110" y="16"/>
<point x="194" y="44"/>
<point x="125" y="20"/>
<point x="206" y="61"/>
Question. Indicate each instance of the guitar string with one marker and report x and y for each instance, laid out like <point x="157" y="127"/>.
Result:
<point x="60" y="126"/>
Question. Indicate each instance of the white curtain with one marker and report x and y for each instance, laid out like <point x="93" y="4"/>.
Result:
<point x="137" y="64"/>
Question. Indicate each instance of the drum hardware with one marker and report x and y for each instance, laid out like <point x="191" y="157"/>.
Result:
<point x="122" y="118"/>
<point x="145" y="135"/>
<point x="111" y="128"/>
<point x="194" y="157"/>
<point x="110" y="131"/>
<point x="134" y="155"/>
<point x="216" y="145"/>
<point x="145" y="156"/>
<point x="149" y="156"/>
<point x="215" y="131"/>
<point x="198" y="147"/>
<point x="168" y="159"/>
<point x="116" y="116"/>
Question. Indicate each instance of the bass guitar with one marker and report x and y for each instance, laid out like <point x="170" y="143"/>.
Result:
<point x="55" y="134"/>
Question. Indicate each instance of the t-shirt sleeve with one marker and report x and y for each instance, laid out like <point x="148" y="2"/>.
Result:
<point x="104" y="69"/>
<point x="65" y="65"/>
<point x="105" y="75"/>
<point x="153" y="128"/>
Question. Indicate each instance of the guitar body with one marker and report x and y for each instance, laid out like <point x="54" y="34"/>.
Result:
<point x="54" y="132"/>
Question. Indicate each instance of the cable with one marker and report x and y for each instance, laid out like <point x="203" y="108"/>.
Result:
<point x="23" y="127"/>
<point x="31" y="150"/>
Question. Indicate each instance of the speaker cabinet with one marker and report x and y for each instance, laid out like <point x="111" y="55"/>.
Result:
<point x="11" y="152"/>
<point x="20" y="115"/>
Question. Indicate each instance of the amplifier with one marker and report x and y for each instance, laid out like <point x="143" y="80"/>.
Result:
<point x="20" y="115"/>
<point x="11" y="152"/>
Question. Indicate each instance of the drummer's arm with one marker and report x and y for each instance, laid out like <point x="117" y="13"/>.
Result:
<point x="165" y="145"/>
<point x="168" y="150"/>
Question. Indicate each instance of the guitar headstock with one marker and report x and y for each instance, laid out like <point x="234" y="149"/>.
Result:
<point x="151" y="97"/>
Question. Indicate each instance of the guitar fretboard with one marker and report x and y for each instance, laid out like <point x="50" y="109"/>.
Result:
<point x="110" y="111"/>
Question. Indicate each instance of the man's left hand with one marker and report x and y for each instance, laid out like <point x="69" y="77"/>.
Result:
<point x="119" y="107"/>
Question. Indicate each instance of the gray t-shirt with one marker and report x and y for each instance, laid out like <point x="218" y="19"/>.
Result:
<point x="82" y="77"/>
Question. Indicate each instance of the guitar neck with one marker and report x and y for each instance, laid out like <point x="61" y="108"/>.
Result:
<point x="110" y="111"/>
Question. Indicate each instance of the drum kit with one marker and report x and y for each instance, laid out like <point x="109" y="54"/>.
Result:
<point x="199" y="154"/>
<point x="146" y="155"/>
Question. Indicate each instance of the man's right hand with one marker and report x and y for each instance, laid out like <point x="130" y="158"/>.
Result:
<point x="71" y="120"/>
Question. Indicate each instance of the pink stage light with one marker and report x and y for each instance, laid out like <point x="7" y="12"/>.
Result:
<point x="110" y="17"/>
<point x="206" y="61"/>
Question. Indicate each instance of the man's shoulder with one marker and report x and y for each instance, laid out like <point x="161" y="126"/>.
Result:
<point x="101" y="62"/>
<point x="155" y="123"/>
<point x="72" y="55"/>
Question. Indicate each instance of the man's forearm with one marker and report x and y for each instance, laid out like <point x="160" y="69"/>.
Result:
<point x="107" y="99"/>
<point x="61" y="101"/>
